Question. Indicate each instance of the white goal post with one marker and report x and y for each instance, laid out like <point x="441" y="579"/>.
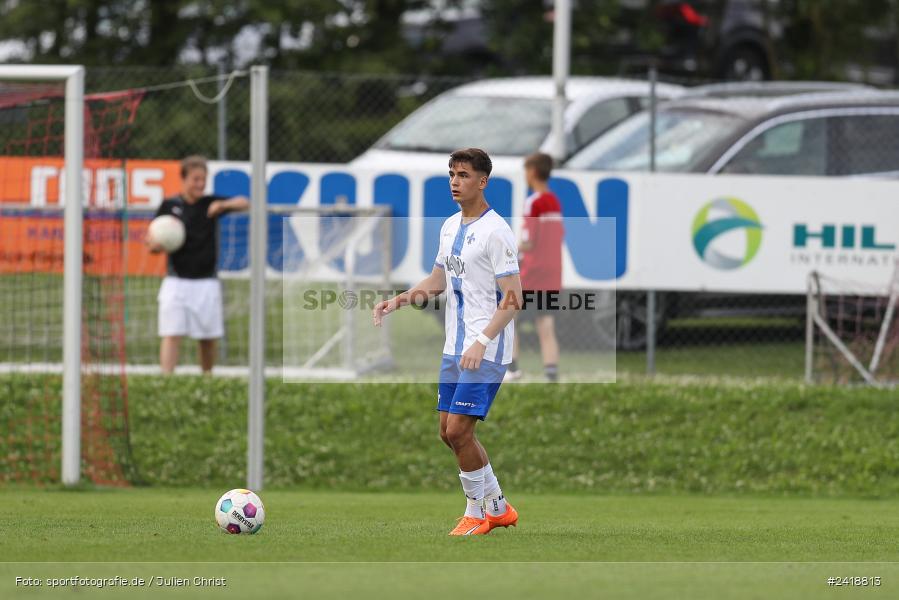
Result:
<point x="863" y="354"/>
<point x="73" y="77"/>
<point x="73" y="200"/>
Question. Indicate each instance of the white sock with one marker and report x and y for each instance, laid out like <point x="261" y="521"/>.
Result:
<point x="491" y="485"/>
<point x="473" y="486"/>
<point x="494" y="501"/>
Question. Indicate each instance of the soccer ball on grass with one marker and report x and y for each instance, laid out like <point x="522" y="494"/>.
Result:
<point x="239" y="511"/>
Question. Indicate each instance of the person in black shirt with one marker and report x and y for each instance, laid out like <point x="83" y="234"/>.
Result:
<point x="190" y="298"/>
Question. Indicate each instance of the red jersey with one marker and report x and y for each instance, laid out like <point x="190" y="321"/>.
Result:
<point x="541" y="266"/>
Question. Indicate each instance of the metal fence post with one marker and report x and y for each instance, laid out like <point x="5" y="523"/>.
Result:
<point x="651" y="294"/>
<point x="811" y="307"/>
<point x="222" y="110"/>
<point x="258" y="245"/>
<point x="561" y="68"/>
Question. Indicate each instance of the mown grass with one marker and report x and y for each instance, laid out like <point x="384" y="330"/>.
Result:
<point x="626" y="437"/>
<point x="152" y="524"/>
<point x="694" y="436"/>
<point x="394" y="545"/>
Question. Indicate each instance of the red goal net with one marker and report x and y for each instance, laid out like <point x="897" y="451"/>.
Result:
<point x="32" y="183"/>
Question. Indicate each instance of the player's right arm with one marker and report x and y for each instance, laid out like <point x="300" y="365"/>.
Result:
<point x="432" y="285"/>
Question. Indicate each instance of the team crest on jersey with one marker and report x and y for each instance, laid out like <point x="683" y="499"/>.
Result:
<point x="455" y="265"/>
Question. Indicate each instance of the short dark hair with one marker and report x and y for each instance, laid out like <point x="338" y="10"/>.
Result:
<point x="476" y="157"/>
<point x="193" y="162"/>
<point x="541" y="163"/>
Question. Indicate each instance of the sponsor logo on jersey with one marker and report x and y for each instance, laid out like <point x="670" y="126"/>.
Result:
<point x="455" y="265"/>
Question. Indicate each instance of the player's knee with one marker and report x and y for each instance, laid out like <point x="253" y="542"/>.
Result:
<point x="544" y="325"/>
<point x="457" y="437"/>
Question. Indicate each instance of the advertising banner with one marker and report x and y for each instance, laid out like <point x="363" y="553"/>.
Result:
<point x="748" y="234"/>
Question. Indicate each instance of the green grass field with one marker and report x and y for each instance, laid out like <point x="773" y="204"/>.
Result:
<point x="695" y="488"/>
<point x="373" y="545"/>
<point x="667" y="436"/>
<point x="668" y="490"/>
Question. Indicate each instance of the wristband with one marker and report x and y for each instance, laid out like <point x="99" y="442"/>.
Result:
<point x="484" y="339"/>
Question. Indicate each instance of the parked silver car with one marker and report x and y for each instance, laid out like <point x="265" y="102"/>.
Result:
<point x="509" y="118"/>
<point x="850" y="132"/>
<point x="833" y="133"/>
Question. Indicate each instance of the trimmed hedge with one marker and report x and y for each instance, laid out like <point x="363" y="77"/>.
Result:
<point x="628" y="437"/>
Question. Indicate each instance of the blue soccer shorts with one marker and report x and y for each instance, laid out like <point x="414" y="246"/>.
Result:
<point x="468" y="392"/>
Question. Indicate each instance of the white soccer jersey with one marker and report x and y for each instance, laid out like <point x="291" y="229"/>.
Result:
<point x="473" y="256"/>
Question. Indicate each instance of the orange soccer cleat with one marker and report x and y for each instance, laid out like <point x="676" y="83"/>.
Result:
<point x="471" y="526"/>
<point x="508" y="518"/>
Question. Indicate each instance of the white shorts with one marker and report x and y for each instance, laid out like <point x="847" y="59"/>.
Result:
<point x="191" y="307"/>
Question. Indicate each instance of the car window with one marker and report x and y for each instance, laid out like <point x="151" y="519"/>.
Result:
<point x="868" y="144"/>
<point x="499" y="125"/>
<point x="598" y="119"/>
<point x="794" y="148"/>
<point x="684" y="140"/>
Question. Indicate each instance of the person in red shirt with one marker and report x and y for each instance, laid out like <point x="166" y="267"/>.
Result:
<point x="540" y="261"/>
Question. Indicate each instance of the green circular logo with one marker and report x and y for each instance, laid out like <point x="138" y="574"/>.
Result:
<point x="729" y="214"/>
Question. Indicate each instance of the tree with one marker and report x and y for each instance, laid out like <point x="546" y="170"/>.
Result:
<point x="314" y="34"/>
<point x="822" y="37"/>
<point x="101" y="31"/>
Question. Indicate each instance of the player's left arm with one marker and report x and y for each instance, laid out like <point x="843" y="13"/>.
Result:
<point x="508" y="307"/>
<point x="220" y="207"/>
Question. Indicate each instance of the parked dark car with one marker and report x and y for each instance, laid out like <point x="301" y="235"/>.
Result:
<point x="733" y="40"/>
<point x="721" y="39"/>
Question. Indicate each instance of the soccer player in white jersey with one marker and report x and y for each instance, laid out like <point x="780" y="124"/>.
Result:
<point x="477" y="261"/>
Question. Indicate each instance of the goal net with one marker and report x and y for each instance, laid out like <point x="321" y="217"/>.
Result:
<point x="32" y="253"/>
<point x="335" y="263"/>
<point x="852" y="331"/>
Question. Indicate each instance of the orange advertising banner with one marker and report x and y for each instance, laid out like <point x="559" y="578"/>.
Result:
<point x="37" y="181"/>
<point x="33" y="242"/>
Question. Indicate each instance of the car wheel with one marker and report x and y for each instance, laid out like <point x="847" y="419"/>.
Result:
<point x="617" y="322"/>
<point x="745" y="63"/>
<point x="632" y="317"/>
